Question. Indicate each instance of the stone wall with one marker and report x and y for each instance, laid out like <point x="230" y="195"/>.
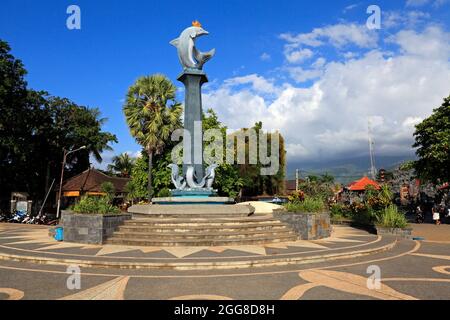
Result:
<point x="90" y="228"/>
<point x="308" y="226"/>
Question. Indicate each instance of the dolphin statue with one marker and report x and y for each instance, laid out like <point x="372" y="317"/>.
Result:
<point x="210" y="175"/>
<point x="207" y="180"/>
<point x="188" y="54"/>
<point x="177" y="180"/>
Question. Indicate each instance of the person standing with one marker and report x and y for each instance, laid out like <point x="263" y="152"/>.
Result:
<point x="436" y="214"/>
<point x="419" y="214"/>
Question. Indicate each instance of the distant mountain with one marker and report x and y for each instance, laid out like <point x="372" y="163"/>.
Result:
<point x="345" y="169"/>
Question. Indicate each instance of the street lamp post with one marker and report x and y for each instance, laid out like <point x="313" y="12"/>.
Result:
<point x="66" y="153"/>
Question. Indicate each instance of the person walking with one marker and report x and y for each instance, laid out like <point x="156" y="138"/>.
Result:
<point x="419" y="214"/>
<point x="436" y="214"/>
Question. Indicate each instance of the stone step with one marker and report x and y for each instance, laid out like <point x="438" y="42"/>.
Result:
<point x="189" y="215"/>
<point x="202" y="242"/>
<point x="200" y="222"/>
<point x="191" y="210"/>
<point x="202" y="235"/>
<point x="197" y="227"/>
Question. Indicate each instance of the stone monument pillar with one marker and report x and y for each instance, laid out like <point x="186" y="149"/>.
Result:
<point x="194" y="180"/>
<point x="193" y="147"/>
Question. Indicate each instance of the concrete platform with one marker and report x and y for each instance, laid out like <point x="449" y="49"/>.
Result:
<point x="28" y="243"/>
<point x="193" y="200"/>
<point x="192" y="210"/>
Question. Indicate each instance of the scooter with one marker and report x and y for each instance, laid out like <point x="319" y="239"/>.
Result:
<point x="18" y="217"/>
<point x="4" y="217"/>
<point x="27" y="219"/>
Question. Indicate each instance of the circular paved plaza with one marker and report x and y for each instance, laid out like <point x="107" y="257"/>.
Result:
<point x="344" y="266"/>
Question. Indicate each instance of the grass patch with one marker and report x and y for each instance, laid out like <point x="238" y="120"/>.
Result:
<point x="308" y="205"/>
<point x="390" y="217"/>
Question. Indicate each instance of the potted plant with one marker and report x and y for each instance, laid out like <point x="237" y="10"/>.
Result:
<point x="391" y="221"/>
<point x="308" y="217"/>
<point x="93" y="218"/>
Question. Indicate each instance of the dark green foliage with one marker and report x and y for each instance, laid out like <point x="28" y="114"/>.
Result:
<point x="152" y="114"/>
<point x="122" y="165"/>
<point x="109" y="190"/>
<point x="307" y="205"/>
<point x="34" y="129"/>
<point x="95" y="205"/>
<point x="433" y="143"/>
<point x="391" y="217"/>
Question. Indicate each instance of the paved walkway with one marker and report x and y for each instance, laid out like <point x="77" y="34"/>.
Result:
<point x="408" y="270"/>
<point x="432" y="232"/>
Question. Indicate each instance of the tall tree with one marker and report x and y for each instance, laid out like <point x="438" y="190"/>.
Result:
<point x="152" y="113"/>
<point x="122" y="164"/>
<point x="433" y="142"/>
<point x="34" y="129"/>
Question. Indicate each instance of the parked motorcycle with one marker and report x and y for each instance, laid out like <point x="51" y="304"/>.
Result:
<point x="5" y="216"/>
<point x="18" y="217"/>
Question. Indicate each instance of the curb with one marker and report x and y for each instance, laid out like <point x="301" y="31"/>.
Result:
<point x="200" y="265"/>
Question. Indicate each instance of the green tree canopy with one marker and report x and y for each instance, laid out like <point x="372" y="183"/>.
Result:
<point x="122" y="164"/>
<point x="34" y="129"/>
<point x="152" y="114"/>
<point x="433" y="145"/>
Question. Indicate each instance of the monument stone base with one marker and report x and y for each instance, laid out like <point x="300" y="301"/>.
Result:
<point x="193" y="200"/>
<point x="191" y="210"/>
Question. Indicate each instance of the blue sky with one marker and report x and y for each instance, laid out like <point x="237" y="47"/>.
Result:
<point x="266" y="68"/>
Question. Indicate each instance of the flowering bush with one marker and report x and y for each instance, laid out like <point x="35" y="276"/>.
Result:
<point x="297" y="196"/>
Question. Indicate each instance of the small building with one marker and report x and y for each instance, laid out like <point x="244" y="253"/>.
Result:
<point x="289" y="186"/>
<point x="362" y="184"/>
<point x="90" y="182"/>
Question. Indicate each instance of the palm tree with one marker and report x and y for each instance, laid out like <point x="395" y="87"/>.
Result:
<point x="152" y="114"/>
<point x="122" y="164"/>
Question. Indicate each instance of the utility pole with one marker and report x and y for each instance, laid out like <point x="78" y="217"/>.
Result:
<point x="297" y="173"/>
<point x="373" y="170"/>
<point x="66" y="153"/>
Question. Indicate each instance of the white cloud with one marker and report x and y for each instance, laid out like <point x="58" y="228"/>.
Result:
<point x="409" y="19"/>
<point x="300" y="75"/>
<point x="319" y="63"/>
<point x="297" y="56"/>
<point x="433" y="43"/>
<point x="338" y="35"/>
<point x="420" y="3"/>
<point x="416" y="3"/>
<point x="258" y="83"/>
<point x="350" y="7"/>
<point x="265" y="56"/>
<point x="329" y="117"/>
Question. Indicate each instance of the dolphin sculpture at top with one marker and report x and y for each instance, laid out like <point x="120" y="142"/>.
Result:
<point x="188" y="54"/>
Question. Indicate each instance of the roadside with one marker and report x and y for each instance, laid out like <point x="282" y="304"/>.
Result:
<point x="431" y="232"/>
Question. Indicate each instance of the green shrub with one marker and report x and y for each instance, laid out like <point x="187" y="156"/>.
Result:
<point x="164" y="192"/>
<point x="364" y="217"/>
<point x="390" y="217"/>
<point x="339" y="210"/>
<point x="94" y="204"/>
<point x="109" y="190"/>
<point x="308" y="205"/>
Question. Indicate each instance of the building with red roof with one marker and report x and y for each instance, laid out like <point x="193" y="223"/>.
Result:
<point x="361" y="184"/>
